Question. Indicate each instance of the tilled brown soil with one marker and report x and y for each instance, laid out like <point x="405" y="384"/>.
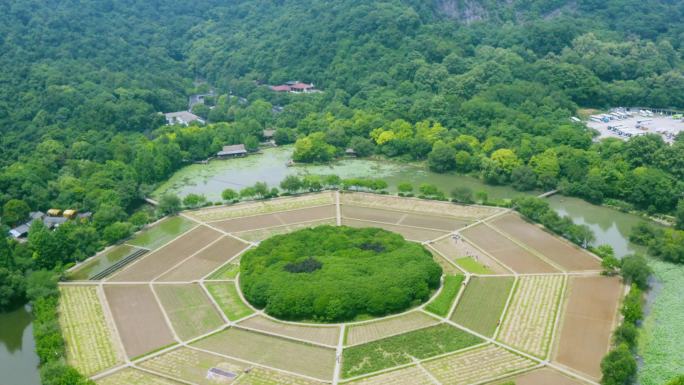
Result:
<point x="507" y="251"/>
<point x="543" y="376"/>
<point x="410" y="233"/>
<point x="433" y="222"/>
<point x="370" y="214"/>
<point x="138" y="317"/>
<point x="587" y="323"/>
<point x="566" y="255"/>
<point x="248" y="223"/>
<point x="454" y="250"/>
<point x="308" y="214"/>
<point x="206" y="260"/>
<point x="160" y="260"/>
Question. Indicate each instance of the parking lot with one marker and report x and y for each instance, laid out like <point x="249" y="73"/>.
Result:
<point x="624" y="124"/>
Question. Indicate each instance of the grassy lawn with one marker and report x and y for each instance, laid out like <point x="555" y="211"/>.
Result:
<point x="191" y="365"/>
<point x="472" y="266"/>
<point x="88" y="339"/>
<point x="376" y="330"/>
<point x="134" y="377"/>
<point x="482" y="303"/>
<point x="261" y="376"/>
<point x="227" y="271"/>
<point x="161" y="233"/>
<point x="189" y="309"/>
<point x="400" y="349"/>
<point x="228" y="299"/>
<point x="276" y="352"/>
<point x="442" y="304"/>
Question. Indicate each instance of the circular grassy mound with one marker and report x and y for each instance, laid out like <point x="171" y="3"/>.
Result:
<point x="332" y="273"/>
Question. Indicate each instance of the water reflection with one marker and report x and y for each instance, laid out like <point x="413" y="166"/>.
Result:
<point x="18" y="360"/>
<point x="13" y="326"/>
<point x="610" y="226"/>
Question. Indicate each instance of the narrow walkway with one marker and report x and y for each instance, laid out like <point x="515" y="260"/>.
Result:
<point x="547" y="194"/>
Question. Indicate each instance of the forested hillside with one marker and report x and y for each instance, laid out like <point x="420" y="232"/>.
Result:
<point x="111" y="65"/>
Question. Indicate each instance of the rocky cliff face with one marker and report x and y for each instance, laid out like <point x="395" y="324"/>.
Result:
<point x="466" y="11"/>
<point x="469" y="11"/>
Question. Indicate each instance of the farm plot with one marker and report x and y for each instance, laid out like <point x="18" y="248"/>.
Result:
<point x="227" y="297"/>
<point x="242" y="224"/>
<point x="450" y="288"/>
<point x="307" y="214"/>
<point x="161" y="260"/>
<point x="566" y="255"/>
<point x="371" y="214"/>
<point x="528" y="324"/>
<point x="190" y="311"/>
<point x="507" y="251"/>
<point x="482" y="303"/>
<point x="99" y="263"/>
<point x="433" y="222"/>
<point x="544" y="376"/>
<point x="411" y="375"/>
<point x="476" y="365"/>
<point x="417" y="205"/>
<point x="206" y="260"/>
<point x="369" y="331"/>
<point x="261" y="376"/>
<point x="135" y="377"/>
<point x="401" y="349"/>
<point x="473" y="266"/>
<point x="254" y="208"/>
<point x="448" y="267"/>
<point x="276" y="352"/>
<point x="587" y="323"/>
<point x="468" y="256"/>
<point x="326" y="335"/>
<point x="410" y="233"/>
<point x="227" y="271"/>
<point x="89" y="341"/>
<point x="138" y="318"/>
<point x="157" y="235"/>
<point x="259" y="235"/>
<point x="191" y="365"/>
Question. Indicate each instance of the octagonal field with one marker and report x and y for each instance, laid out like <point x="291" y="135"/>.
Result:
<point x="514" y="302"/>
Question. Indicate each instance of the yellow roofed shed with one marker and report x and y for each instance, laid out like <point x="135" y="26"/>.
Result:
<point x="71" y="214"/>
<point x="54" y="212"/>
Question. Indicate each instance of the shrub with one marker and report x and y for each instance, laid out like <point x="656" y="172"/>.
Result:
<point x="618" y="366"/>
<point x="229" y="195"/>
<point x="194" y="200"/>
<point x="117" y="231"/>
<point x="169" y="204"/>
<point x="635" y="270"/>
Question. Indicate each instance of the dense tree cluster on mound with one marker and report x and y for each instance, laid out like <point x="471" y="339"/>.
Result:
<point x="337" y="273"/>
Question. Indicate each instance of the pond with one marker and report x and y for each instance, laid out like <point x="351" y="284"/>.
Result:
<point x="610" y="226"/>
<point x="18" y="359"/>
<point x="270" y="166"/>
